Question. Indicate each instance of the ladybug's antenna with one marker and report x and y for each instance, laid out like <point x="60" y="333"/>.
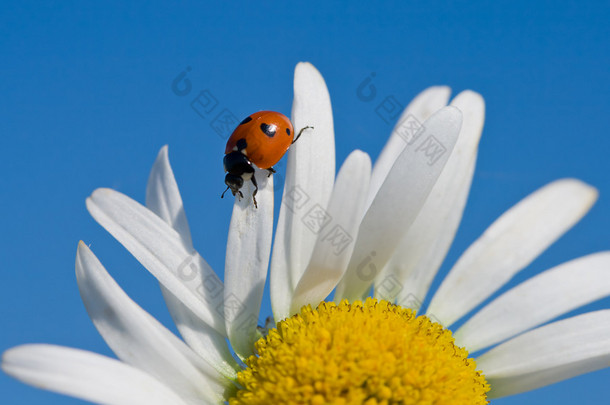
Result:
<point x="223" y="193"/>
<point x="300" y="132"/>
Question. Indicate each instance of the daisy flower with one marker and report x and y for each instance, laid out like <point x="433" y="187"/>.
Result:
<point x="384" y="228"/>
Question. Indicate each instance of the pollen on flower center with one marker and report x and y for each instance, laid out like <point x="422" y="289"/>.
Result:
<point x="360" y="353"/>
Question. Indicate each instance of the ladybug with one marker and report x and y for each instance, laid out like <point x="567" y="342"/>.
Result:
<point x="261" y="139"/>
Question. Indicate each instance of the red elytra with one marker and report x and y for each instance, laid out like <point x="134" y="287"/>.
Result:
<point x="267" y="136"/>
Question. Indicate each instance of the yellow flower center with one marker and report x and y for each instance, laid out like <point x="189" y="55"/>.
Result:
<point x="361" y="353"/>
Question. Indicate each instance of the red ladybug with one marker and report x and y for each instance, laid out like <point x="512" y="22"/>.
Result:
<point x="261" y="139"/>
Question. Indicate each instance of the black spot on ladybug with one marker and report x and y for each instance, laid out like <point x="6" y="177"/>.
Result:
<point x="269" y="130"/>
<point x="241" y="144"/>
<point x="246" y="120"/>
<point x="288" y="131"/>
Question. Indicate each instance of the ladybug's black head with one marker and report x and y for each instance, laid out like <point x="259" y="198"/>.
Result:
<point x="234" y="182"/>
<point x="239" y="169"/>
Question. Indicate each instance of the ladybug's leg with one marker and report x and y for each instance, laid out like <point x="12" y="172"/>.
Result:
<point x="270" y="171"/>
<point x="300" y="132"/>
<point x="255" y="190"/>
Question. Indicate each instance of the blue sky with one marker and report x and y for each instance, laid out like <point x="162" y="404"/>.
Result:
<point x="87" y="102"/>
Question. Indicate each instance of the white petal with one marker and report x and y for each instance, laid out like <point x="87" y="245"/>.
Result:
<point x="335" y="242"/>
<point x="310" y="174"/>
<point x="163" y="198"/>
<point x="538" y="300"/>
<point x="138" y="339"/>
<point x="399" y="200"/>
<point x="412" y="268"/>
<point x="85" y="375"/>
<point x="549" y="354"/>
<point x="419" y="110"/>
<point x="509" y="244"/>
<point x="161" y="251"/>
<point x="202" y="338"/>
<point x="246" y="263"/>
